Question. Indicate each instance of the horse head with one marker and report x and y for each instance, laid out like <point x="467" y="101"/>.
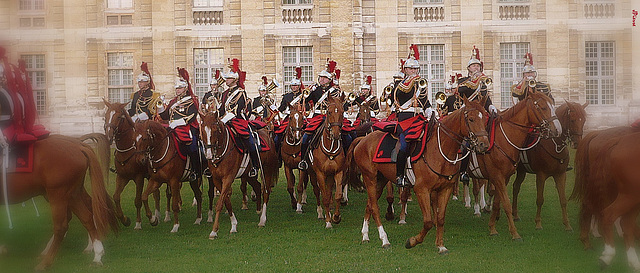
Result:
<point x="364" y="113"/>
<point x="335" y="115"/>
<point x="211" y="130"/>
<point x="475" y="120"/>
<point x="572" y="117"/>
<point x="540" y="111"/>
<point x="115" y="119"/>
<point x="295" y="127"/>
<point x="149" y="135"/>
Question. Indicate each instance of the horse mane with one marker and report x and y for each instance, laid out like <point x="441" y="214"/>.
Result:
<point x="156" y="128"/>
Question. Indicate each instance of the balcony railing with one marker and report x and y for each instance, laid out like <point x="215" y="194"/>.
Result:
<point x="599" y="10"/>
<point x="428" y="13"/>
<point x="514" y="11"/>
<point x="297" y="14"/>
<point x="207" y="17"/>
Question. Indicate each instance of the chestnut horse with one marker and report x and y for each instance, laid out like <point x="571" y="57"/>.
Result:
<point x="607" y="186"/>
<point x="329" y="160"/>
<point x="434" y="171"/>
<point x="60" y="165"/>
<point x="164" y="166"/>
<point x="218" y="146"/>
<point x="130" y="162"/>
<point x="513" y="128"/>
<point x="551" y="158"/>
<point x="290" y="153"/>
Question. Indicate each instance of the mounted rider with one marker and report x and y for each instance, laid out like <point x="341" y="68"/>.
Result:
<point x="529" y="81"/>
<point x="411" y="106"/>
<point x="354" y="102"/>
<point x="181" y="113"/>
<point x="212" y="97"/>
<point x="290" y="99"/>
<point x="317" y="106"/>
<point x="145" y="101"/>
<point x="262" y="106"/>
<point x="233" y="109"/>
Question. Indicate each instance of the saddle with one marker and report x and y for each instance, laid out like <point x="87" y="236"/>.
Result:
<point x="417" y="134"/>
<point x="21" y="157"/>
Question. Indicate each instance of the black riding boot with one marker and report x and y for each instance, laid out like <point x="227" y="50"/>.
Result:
<point x="304" y="165"/>
<point x="253" y="154"/>
<point x="196" y="160"/>
<point x="401" y="162"/>
<point x="464" y="164"/>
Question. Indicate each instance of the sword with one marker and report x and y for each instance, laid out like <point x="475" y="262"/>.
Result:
<point x="5" y="164"/>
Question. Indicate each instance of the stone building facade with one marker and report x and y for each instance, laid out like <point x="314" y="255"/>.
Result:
<point x="80" y="51"/>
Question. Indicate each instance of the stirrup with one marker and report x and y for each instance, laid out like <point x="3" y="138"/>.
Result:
<point x="569" y="168"/>
<point x="193" y="177"/>
<point x="253" y="172"/>
<point x="464" y="177"/>
<point x="303" y="165"/>
<point x="403" y="182"/>
<point x="207" y="172"/>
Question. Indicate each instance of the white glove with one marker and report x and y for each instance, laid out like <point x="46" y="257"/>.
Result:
<point x="273" y="107"/>
<point x="227" y="117"/>
<point x="428" y="112"/>
<point x="142" y="116"/>
<point x="493" y="109"/>
<point x="135" y="118"/>
<point x="175" y="123"/>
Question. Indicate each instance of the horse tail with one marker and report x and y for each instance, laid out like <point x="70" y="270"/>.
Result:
<point x="582" y="168"/>
<point x="104" y="151"/>
<point x="103" y="209"/>
<point x="352" y="167"/>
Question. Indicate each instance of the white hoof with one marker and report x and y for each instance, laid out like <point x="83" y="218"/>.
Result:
<point x="197" y="222"/>
<point x="98" y="250"/>
<point x="234" y="224"/>
<point x="213" y="235"/>
<point x="454" y="198"/>
<point x="402" y="222"/>
<point x="175" y="228"/>
<point x="89" y="247"/>
<point x="328" y="225"/>
<point x="138" y="226"/>
<point x="319" y="211"/>
<point x="299" y="208"/>
<point x="194" y="203"/>
<point x="210" y="217"/>
<point x="167" y="217"/>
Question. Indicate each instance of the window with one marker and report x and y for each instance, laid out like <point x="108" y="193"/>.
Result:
<point x="297" y="56"/>
<point x="206" y="61"/>
<point x="119" y="4"/>
<point x="297" y="2"/>
<point x="207" y="3"/>
<point x="600" y="72"/>
<point x="36" y="71"/>
<point x="432" y="68"/>
<point x="115" y="20"/>
<point x="120" y="70"/>
<point x="427" y="1"/>
<point x="511" y="65"/>
<point x="31" y="5"/>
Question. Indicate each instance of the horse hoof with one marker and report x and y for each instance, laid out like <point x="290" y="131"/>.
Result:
<point x="568" y="229"/>
<point x="299" y="211"/>
<point x="336" y="219"/>
<point x="389" y="216"/>
<point x="477" y="215"/>
<point x="155" y="222"/>
<point x="40" y="268"/>
<point x="386" y="246"/>
<point x="197" y="222"/>
<point x="402" y="222"/>
<point x="516" y="219"/>
<point x="408" y="244"/>
<point x="603" y="264"/>
<point x="138" y="226"/>
<point x="518" y="240"/>
<point x="344" y="203"/>
<point x="454" y="198"/>
<point x="364" y="242"/>
<point x="97" y="264"/>
<point x="126" y="222"/>
<point x="538" y="227"/>
<point x="244" y="207"/>
<point x="444" y="252"/>
<point x="213" y="235"/>
<point x="493" y="234"/>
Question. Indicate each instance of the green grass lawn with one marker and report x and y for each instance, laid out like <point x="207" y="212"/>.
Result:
<point x="294" y="242"/>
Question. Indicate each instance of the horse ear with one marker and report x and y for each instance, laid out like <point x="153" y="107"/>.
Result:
<point x="106" y="102"/>
<point x="585" y="105"/>
<point x="202" y="113"/>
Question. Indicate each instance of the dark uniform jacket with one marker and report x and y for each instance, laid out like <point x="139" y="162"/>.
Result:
<point x="466" y="88"/>
<point x="237" y="104"/>
<point x="141" y="102"/>
<point x="404" y="91"/>
<point x="256" y="107"/>
<point x="287" y="99"/>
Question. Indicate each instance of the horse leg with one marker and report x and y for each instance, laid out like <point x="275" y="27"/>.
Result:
<point x="316" y="191"/>
<point x="304" y="179"/>
<point x="243" y="190"/>
<point x="197" y="192"/>
<point x="337" y="179"/>
<point x="404" y="196"/>
<point x="390" y="198"/>
<point x="517" y="184"/>
<point x="167" y="216"/>
<point x="83" y="212"/>
<point x="211" y="193"/>
<point x="620" y="206"/>
<point x="175" y="203"/>
<point x="424" y="200"/>
<point x="584" y="221"/>
<point x="456" y="190"/>
<point x="560" y="180"/>
<point x="345" y="198"/>
<point x="120" y="184"/>
<point x="139" y="181"/>
<point x="152" y="186"/>
<point x="325" y="191"/>
<point x="540" y="180"/>
<point x="628" y="226"/>
<point x="291" y="183"/>
<point x="256" y="187"/>
<point x="266" y="191"/>
<point x="495" y="213"/>
<point x="225" y="192"/>
<point x="156" y="199"/>
<point x="501" y="190"/>
<point x="374" y="191"/>
<point x="442" y="200"/>
<point x="60" y="215"/>
<point x="477" y="193"/>
<point x="467" y="194"/>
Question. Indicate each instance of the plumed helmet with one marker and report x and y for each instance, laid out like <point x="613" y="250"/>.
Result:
<point x="234" y="69"/>
<point x="475" y="57"/>
<point x="264" y="84"/>
<point x="214" y="80"/>
<point x="367" y="83"/>
<point x="298" y="76"/>
<point x="329" y="70"/>
<point x="143" y="77"/>
<point x="181" y="83"/>
<point x="414" y="56"/>
<point x="528" y="64"/>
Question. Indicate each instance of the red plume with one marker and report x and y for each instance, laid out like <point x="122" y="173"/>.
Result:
<point x="217" y="74"/>
<point x="458" y="75"/>
<point x="265" y="81"/>
<point x="332" y="66"/>
<point x="185" y="75"/>
<point x="369" y="78"/>
<point x="242" y="76"/>
<point x="298" y="72"/>
<point x="402" y="63"/>
<point x="235" y="65"/>
<point x="338" y="74"/>
<point x="416" y="53"/>
<point x="453" y="78"/>
<point x="476" y="52"/>
<point x="145" y="69"/>
<point x="530" y="58"/>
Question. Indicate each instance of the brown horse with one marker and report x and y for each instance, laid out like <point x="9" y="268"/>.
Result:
<point x="130" y="162"/>
<point x="290" y="153"/>
<point x="329" y="160"/>
<point x="607" y="186"/>
<point x="218" y="146"/>
<point x="60" y="166"/>
<point x="551" y="158"/>
<point x="513" y="128"/>
<point x="434" y="171"/>
<point x="164" y="166"/>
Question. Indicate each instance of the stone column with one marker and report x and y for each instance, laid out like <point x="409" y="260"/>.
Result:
<point x="252" y="35"/>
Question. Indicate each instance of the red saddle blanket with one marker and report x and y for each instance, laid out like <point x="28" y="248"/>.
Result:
<point x="388" y="146"/>
<point x="21" y="157"/>
<point x="263" y="146"/>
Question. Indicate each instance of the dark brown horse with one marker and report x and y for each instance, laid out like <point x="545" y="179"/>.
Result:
<point x="59" y="169"/>
<point x="164" y="166"/>
<point x="329" y="160"/>
<point x="130" y="162"/>
<point x="225" y="160"/>
<point x="607" y="185"/>
<point x="514" y="127"/>
<point x="435" y="171"/>
<point x="551" y="158"/>
<point x="290" y="153"/>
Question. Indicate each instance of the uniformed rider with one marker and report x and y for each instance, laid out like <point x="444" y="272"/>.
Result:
<point x="529" y="81"/>
<point x="212" y="97"/>
<point x="144" y="101"/>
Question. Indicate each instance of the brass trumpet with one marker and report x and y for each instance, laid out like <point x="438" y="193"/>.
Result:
<point x="351" y="97"/>
<point x="272" y="86"/>
<point x="488" y="82"/>
<point x="422" y="83"/>
<point x="441" y="97"/>
<point x="531" y="83"/>
<point x="386" y="92"/>
<point x="220" y="81"/>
